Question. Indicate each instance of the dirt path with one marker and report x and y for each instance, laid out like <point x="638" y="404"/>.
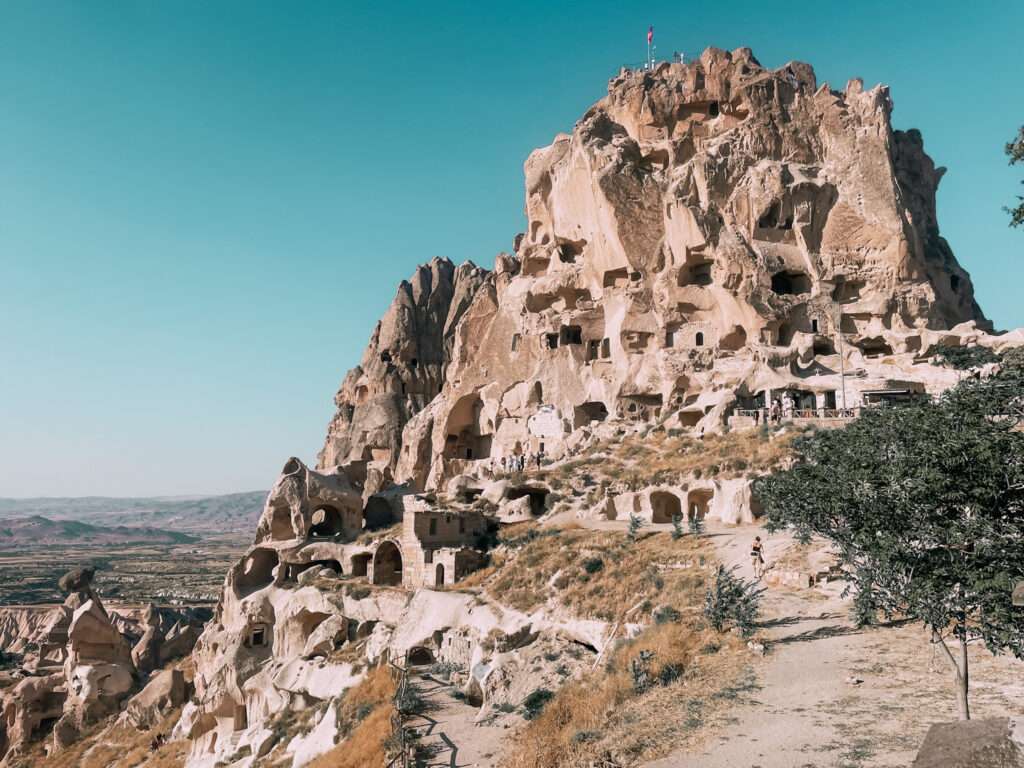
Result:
<point x="448" y="731"/>
<point x="806" y="714"/>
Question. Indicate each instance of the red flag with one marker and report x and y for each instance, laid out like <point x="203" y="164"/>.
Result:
<point x="650" y="34"/>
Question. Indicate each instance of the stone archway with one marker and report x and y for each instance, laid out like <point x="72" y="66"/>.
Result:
<point x="387" y="564"/>
<point x="439" y="575"/>
<point x="665" y="506"/>
<point x="698" y="503"/>
<point x="419" y="656"/>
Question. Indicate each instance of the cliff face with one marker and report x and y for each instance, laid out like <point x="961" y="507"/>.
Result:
<point x="402" y="369"/>
<point x="691" y="247"/>
<point x="710" y="237"/>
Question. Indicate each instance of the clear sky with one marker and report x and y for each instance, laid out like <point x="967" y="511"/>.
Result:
<point x="205" y="206"/>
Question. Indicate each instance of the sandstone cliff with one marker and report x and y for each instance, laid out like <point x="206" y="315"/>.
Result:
<point x="403" y="367"/>
<point x="712" y="236"/>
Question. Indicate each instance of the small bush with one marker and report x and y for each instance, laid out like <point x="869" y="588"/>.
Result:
<point x="697" y="526"/>
<point x="666" y="614"/>
<point x="636" y="523"/>
<point x="640" y="671"/>
<point x="586" y="737"/>
<point x="409" y="702"/>
<point x="677" y="527"/>
<point x="357" y="593"/>
<point x="669" y="674"/>
<point x="535" y="702"/>
<point x="506" y="707"/>
<point x="732" y="601"/>
<point x="593" y="564"/>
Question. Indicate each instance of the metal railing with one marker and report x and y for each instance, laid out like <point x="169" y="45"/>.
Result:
<point x="655" y="61"/>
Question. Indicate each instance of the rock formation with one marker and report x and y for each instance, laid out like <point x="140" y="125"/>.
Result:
<point x="403" y="368"/>
<point x="711" y="236"/>
<point x="85" y="667"/>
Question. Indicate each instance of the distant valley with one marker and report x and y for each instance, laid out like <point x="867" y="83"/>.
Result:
<point x="170" y="550"/>
<point x="42" y="531"/>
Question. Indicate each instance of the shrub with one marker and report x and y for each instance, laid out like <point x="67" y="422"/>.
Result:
<point x="409" y="702"/>
<point x="551" y="656"/>
<point x="593" y="564"/>
<point x="551" y="500"/>
<point x="666" y="614"/>
<point x="635" y="524"/>
<point x="444" y="669"/>
<point x="732" y="601"/>
<point x="697" y="526"/>
<point x="677" y="527"/>
<point x="506" y="707"/>
<point x="669" y="674"/>
<point x="585" y="737"/>
<point x="534" y="704"/>
<point x="357" y="593"/>
<point x="640" y="671"/>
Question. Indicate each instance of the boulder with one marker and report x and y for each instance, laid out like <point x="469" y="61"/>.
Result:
<point x="996" y="742"/>
<point x="165" y="692"/>
<point x="78" y="580"/>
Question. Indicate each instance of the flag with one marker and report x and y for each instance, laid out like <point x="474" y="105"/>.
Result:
<point x="650" y="34"/>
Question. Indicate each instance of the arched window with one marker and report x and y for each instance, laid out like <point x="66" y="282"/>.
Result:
<point x="699" y="341"/>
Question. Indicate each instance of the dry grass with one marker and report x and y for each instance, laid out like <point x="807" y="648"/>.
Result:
<point x="364" y="719"/>
<point x="115" y="746"/>
<point x="367" y="537"/>
<point x="657" y="457"/>
<point x="600" y="574"/>
<point x="601" y="716"/>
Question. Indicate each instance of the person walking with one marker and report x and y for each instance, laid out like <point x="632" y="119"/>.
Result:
<point x="757" y="557"/>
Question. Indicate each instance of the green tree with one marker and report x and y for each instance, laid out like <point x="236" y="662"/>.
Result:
<point x="964" y="358"/>
<point x="925" y="504"/>
<point x="1015" y="151"/>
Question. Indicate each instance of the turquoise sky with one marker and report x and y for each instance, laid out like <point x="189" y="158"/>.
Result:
<point x="205" y="206"/>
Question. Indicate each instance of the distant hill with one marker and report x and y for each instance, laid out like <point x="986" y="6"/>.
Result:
<point x="40" y="531"/>
<point x="188" y="514"/>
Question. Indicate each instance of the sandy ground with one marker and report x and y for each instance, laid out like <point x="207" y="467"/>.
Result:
<point x="806" y="714"/>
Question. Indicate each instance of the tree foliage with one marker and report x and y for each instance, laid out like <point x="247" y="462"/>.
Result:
<point x="1015" y="151"/>
<point x="964" y="358"/>
<point x="925" y="504"/>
